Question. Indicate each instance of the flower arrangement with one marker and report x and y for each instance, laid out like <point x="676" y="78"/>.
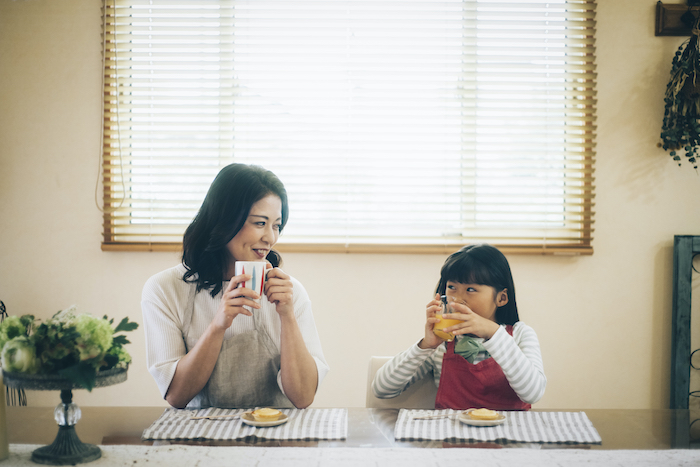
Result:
<point x="680" y="130"/>
<point x="71" y="345"/>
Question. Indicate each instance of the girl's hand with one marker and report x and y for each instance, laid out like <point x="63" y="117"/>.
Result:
<point x="280" y="291"/>
<point x="431" y="341"/>
<point x="232" y="302"/>
<point x="473" y="324"/>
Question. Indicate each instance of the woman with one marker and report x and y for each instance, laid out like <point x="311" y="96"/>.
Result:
<point x="210" y="343"/>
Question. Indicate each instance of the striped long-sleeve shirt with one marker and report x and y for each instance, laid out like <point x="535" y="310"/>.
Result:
<point x="518" y="356"/>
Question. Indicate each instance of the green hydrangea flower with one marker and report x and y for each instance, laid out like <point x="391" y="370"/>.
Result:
<point x="95" y="337"/>
<point x="11" y="327"/>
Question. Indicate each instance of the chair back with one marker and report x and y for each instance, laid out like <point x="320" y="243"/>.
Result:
<point x="421" y="395"/>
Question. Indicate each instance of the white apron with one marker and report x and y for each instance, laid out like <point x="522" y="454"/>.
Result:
<point x="245" y="374"/>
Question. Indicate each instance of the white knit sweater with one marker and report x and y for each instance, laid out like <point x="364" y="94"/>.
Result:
<point x="163" y="304"/>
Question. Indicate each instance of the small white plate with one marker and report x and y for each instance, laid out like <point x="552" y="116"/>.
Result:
<point x="248" y="419"/>
<point x="464" y="417"/>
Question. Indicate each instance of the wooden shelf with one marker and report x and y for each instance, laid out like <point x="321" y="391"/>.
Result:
<point x="668" y="18"/>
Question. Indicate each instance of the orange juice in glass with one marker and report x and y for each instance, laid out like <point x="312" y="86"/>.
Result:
<point x="445" y="323"/>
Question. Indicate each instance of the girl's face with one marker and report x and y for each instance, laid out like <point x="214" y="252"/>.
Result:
<point x="259" y="233"/>
<point x="481" y="299"/>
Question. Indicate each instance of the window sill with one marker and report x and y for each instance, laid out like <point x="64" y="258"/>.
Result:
<point x="565" y="250"/>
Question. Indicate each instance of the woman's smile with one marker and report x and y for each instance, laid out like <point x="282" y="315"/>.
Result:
<point x="262" y="253"/>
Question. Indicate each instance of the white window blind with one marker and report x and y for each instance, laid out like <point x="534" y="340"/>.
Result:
<point x="400" y="124"/>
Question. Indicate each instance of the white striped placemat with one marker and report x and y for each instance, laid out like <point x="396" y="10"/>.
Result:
<point x="305" y="424"/>
<point x="532" y="427"/>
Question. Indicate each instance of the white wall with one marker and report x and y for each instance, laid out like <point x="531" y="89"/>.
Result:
<point x="604" y="321"/>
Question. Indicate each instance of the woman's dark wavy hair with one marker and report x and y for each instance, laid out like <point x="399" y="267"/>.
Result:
<point x="222" y="214"/>
<point x="486" y="265"/>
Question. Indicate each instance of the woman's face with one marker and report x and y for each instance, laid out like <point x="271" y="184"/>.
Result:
<point x="481" y="299"/>
<point x="259" y="232"/>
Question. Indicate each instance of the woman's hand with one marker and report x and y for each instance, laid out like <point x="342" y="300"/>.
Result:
<point x="431" y="341"/>
<point x="232" y="302"/>
<point x="473" y="323"/>
<point x="280" y="291"/>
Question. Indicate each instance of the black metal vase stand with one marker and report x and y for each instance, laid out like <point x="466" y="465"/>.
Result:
<point x="66" y="449"/>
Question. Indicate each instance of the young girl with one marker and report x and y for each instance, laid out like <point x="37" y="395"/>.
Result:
<point x="494" y="360"/>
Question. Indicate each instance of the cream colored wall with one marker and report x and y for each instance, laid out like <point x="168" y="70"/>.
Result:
<point x="603" y="321"/>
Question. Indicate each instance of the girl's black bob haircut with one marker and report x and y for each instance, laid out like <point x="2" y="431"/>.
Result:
<point x="485" y="265"/>
<point x="222" y="214"/>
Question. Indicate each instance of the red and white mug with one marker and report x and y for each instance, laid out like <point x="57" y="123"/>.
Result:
<point x="256" y="269"/>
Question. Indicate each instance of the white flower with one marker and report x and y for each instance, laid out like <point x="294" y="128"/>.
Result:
<point x="65" y="317"/>
<point x="19" y="355"/>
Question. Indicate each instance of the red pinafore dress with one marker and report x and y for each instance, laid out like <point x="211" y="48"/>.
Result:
<point x="465" y="385"/>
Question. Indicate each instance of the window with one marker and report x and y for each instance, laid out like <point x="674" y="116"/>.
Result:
<point x="395" y="125"/>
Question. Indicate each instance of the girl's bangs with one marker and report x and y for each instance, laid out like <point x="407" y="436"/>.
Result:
<point x="468" y="270"/>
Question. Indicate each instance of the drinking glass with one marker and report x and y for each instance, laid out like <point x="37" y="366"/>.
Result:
<point x="446" y="323"/>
